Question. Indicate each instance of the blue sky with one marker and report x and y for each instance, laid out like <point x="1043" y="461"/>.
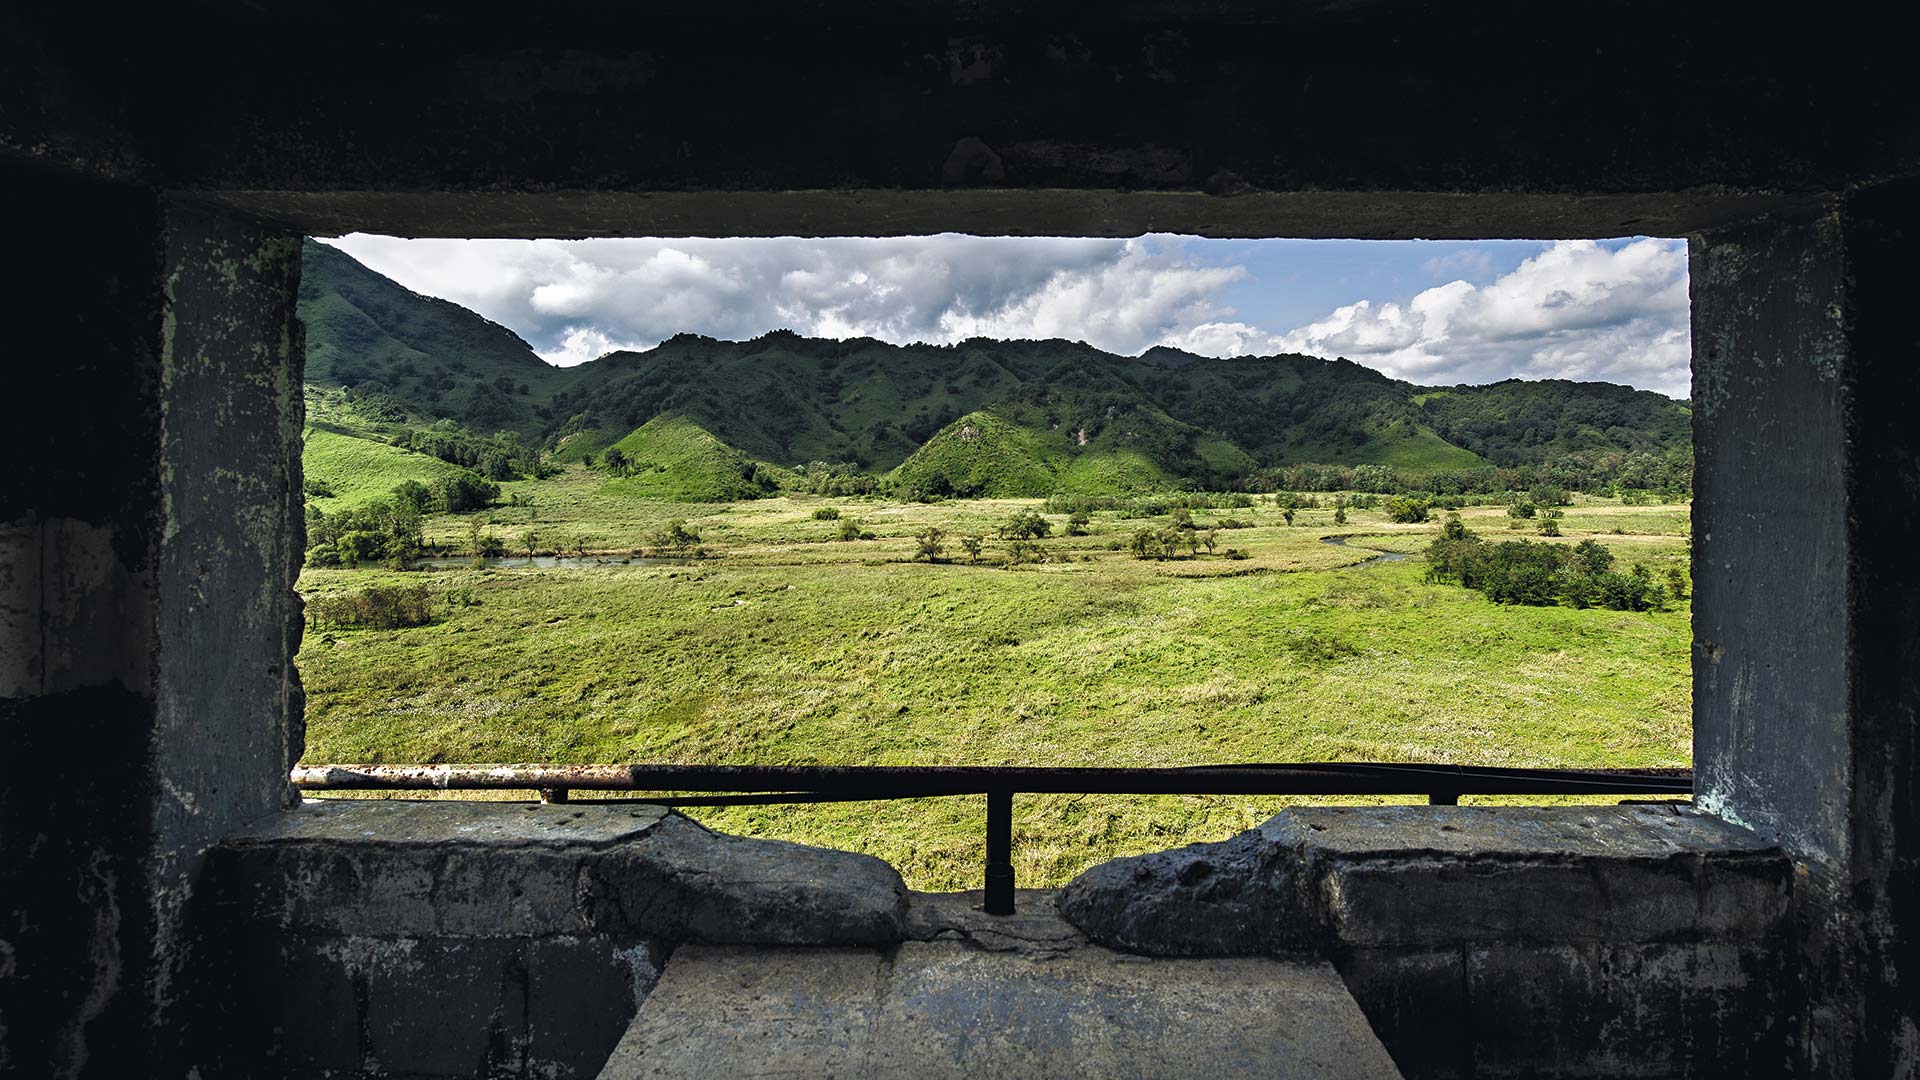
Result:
<point x="1431" y="312"/>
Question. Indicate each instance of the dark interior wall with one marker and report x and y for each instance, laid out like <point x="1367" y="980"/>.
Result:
<point x="1883" y="232"/>
<point x="79" y="518"/>
<point x="148" y="525"/>
<point x="1806" y="599"/>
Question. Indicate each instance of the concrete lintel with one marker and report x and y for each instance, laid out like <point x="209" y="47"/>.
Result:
<point x="1307" y="214"/>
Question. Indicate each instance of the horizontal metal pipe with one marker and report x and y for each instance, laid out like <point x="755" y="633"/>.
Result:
<point x="884" y="782"/>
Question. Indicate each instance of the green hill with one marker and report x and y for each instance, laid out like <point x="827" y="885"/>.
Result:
<point x="359" y="471"/>
<point x="1056" y="413"/>
<point x="980" y="455"/>
<point x="369" y="333"/>
<point x="671" y="457"/>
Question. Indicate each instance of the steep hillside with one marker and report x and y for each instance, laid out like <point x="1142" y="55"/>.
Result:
<point x="368" y="332"/>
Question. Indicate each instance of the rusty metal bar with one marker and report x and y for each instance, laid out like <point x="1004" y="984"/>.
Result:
<point x="892" y="782"/>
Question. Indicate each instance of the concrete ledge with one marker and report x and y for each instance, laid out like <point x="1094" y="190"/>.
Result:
<point x="1423" y="877"/>
<point x="1426" y="876"/>
<point x="472" y="869"/>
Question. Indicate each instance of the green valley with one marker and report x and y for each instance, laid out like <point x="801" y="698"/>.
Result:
<point x="797" y="551"/>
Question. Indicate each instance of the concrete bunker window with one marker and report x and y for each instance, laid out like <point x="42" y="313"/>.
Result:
<point x="641" y="528"/>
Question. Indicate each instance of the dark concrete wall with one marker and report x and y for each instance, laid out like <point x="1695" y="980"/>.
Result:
<point x="79" y="518"/>
<point x="1883" y="881"/>
<point x="147" y="540"/>
<point x="1806" y="617"/>
<point x="228" y="707"/>
<point x="1145" y="95"/>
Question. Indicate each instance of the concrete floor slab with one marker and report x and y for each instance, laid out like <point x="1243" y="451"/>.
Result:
<point x="951" y="1008"/>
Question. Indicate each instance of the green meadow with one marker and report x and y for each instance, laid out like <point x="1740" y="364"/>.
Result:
<point x="787" y="645"/>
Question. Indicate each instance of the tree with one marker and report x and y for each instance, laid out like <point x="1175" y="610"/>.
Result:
<point x="1019" y="551"/>
<point x="1288" y="514"/>
<point x="1407" y="509"/>
<point x="414" y="495"/>
<point x="931" y="542"/>
<point x="616" y="461"/>
<point x="850" y="529"/>
<point x="677" y="536"/>
<point x="971" y="544"/>
<point x="1210" y="538"/>
<point x="1077" y="523"/>
<point x="1677" y="583"/>
<point x="1520" y="508"/>
<point x="1549" y="527"/>
<point x="1025" y="525"/>
<point x="1592" y="557"/>
<point x="1192" y="540"/>
<point x="529" y="538"/>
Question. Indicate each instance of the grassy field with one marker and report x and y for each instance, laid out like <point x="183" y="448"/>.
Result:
<point x="790" y="647"/>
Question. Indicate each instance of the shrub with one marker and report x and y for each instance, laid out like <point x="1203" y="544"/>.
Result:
<point x="457" y="493"/>
<point x="1407" y="509"/>
<point x="1077" y="523"/>
<point x="931" y="542"/>
<point x="1025" y="525"/>
<point x="676" y="536"/>
<point x="850" y="529"/>
<point x="826" y="513"/>
<point x="971" y="544"/>
<point x="379" y="607"/>
<point x="1520" y="509"/>
<point x="1549" y="527"/>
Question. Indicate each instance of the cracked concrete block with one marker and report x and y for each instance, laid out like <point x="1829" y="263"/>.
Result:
<point x="427" y="869"/>
<point x="1234" y="897"/>
<point x="1428" y="876"/>
<point x="1425" y="876"/>
<point x="688" y="883"/>
<point x="477" y="869"/>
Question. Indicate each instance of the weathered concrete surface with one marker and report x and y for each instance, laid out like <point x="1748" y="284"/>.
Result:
<point x="1574" y="940"/>
<point x="688" y="883"/>
<point x="488" y="869"/>
<point x="1243" y="896"/>
<point x="1419" y="876"/>
<point x="448" y="938"/>
<point x="1806" y="623"/>
<point x="1562" y="874"/>
<point x="1030" y="1000"/>
<point x="148" y="532"/>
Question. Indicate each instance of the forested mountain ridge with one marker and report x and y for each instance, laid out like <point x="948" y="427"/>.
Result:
<point x="923" y="415"/>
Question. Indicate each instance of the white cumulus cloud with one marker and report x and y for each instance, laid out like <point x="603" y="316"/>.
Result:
<point x="1576" y="310"/>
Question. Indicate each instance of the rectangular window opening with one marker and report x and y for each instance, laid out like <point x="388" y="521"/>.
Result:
<point x="991" y="501"/>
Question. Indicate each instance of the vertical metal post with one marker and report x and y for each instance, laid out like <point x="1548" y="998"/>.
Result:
<point x="999" y="898"/>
